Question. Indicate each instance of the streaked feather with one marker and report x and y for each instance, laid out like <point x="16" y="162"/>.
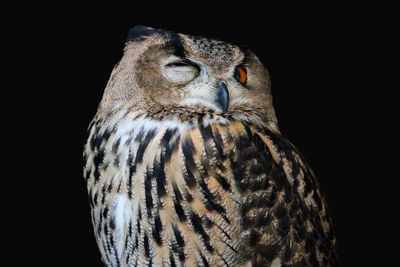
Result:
<point x="169" y="192"/>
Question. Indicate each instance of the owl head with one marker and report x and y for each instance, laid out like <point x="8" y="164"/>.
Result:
<point x="163" y="69"/>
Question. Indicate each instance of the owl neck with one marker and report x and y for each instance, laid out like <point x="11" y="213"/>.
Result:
<point x="203" y="116"/>
<point x="191" y="116"/>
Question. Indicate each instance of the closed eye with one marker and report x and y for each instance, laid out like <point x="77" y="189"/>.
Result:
<point x="177" y="64"/>
<point x="180" y="70"/>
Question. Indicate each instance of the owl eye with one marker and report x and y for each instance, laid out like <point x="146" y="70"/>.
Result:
<point x="177" y="64"/>
<point x="180" y="71"/>
<point x="241" y="75"/>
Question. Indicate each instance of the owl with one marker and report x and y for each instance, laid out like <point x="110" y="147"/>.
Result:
<point x="185" y="164"/>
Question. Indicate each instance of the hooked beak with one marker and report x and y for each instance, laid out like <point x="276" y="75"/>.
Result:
<point x="223" y="97"/>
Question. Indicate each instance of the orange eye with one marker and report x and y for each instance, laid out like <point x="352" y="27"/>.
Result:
<point x="241" y="75"/>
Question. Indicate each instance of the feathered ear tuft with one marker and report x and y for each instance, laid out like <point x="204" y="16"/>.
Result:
<point x="138" y="33"/>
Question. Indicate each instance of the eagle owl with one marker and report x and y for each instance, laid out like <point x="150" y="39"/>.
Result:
<point x="185" y="164"/>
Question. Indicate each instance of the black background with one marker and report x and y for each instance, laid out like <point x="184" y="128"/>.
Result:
<point x="314" y="55"/>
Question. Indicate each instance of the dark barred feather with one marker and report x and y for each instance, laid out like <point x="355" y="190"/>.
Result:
<point x="211" y="191"/>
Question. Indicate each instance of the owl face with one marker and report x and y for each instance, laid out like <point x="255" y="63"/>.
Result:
<point x="162" y="68"/>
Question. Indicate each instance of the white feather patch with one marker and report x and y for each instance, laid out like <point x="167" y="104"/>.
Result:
<point x="129" y="127"/>
<point x="122" y="214"/>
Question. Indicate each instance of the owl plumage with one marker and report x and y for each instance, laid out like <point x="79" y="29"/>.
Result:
<point x="185" y="164"/>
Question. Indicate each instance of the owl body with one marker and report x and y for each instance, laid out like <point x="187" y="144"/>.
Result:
<point x="183" y="169"/>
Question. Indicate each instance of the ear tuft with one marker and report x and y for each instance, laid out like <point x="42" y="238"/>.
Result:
<point x="138" y="33"/>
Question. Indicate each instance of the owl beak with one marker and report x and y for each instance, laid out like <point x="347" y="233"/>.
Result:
<point x="223" y="97"/>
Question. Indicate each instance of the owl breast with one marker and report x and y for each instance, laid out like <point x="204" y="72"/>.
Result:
<point x="206" y="192"/>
